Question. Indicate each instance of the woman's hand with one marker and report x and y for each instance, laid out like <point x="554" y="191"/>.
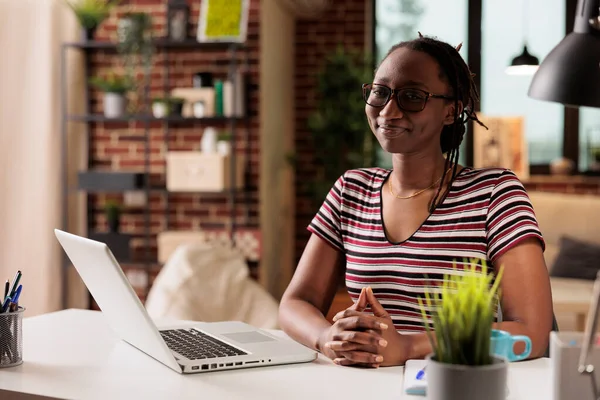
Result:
<point x="370" y="347"/>
<point x="355" y="340"/>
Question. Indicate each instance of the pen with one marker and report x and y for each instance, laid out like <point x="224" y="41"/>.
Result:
<point x="6" y="288"/>
<point x="421" y="374"/>
<point x="15" y="298"/>
<point x="6" y="304"/>
<point x="15" y="283"/>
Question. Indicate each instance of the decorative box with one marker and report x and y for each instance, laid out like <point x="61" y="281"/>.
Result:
<point x="194" y="171"/>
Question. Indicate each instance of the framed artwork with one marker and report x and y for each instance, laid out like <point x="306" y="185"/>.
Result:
<point x="503" y="145"/>
<point x="223" y="21"/>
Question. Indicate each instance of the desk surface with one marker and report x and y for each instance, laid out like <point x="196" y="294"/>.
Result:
<point x="73" y="354"/>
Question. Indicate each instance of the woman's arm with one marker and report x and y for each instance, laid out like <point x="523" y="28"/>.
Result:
<point x="526" y="295"/>
<point x="310" y="293"/>
<point x="526" y="300"/>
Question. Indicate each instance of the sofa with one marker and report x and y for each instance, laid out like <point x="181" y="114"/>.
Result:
<point x="570" y="224"/>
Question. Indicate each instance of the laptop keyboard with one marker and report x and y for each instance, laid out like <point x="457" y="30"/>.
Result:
<point x="195" y="345"/>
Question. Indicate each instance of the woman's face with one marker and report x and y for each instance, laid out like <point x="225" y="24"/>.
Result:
<point x="403" y="132"/>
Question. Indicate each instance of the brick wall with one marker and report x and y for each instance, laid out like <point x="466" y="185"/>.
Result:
<point x="120" y="146"/>
<point x="344" y="23"/>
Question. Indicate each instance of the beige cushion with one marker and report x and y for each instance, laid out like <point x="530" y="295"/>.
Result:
<point x="204" y="282"/>
<point x="558" y="214"/>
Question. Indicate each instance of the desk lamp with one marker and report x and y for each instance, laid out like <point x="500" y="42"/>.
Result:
<point x="570" y="75"/>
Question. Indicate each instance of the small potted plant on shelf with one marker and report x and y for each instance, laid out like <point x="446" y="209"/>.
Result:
<point x="90" y="14"/>
<point x="462" y="310"/>
<point x="224" y="143"/>
<point x="112" y="210"/>
<point x="162" y="107"/>
<point x="114" y="87"/>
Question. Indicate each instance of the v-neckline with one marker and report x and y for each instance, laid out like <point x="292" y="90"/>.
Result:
<point x="380" y="200"/>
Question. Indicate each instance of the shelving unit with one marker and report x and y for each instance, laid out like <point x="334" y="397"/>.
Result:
<point x="234" y="196"/>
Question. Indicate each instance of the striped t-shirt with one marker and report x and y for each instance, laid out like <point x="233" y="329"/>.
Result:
<point x="486" y="212"/>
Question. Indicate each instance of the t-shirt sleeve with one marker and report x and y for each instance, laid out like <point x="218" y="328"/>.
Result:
<point x="510" y="218"/>
<point x="326" y="223"/>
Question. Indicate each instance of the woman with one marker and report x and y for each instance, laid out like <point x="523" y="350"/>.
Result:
<point x="393" y="230"/>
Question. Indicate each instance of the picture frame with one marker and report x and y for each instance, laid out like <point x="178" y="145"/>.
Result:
<point x="503" y="145"/>
<point x="223" y="21"/>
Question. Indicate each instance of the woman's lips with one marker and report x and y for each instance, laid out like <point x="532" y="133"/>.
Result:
<point x="391" y="131"/>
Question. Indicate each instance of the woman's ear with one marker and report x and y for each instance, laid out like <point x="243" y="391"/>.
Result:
<point x="449" y="118"/>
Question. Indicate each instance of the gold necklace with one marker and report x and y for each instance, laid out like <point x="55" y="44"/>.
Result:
<point x="416" y="193"/>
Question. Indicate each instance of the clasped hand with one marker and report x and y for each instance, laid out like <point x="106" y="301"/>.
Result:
<point x="360" y="339"/>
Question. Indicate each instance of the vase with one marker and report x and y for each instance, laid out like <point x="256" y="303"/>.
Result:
<point x="160" y="109"/>
<point x="466" y="382"/>
<point x="87" y="34"/>
<point x="114" y="105"/>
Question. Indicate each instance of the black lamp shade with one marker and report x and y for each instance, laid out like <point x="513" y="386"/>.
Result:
<point x="570" y="74"/>
<point x="525" y="59"/>
<point x="523" y="64"/>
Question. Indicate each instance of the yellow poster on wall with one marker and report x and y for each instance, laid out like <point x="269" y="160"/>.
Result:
<point x="223" y="21"/>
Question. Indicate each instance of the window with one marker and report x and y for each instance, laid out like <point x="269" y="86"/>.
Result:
<point x="589" y="137"/>
<point x="504" y="26"/>
<point x="399" y="20"/>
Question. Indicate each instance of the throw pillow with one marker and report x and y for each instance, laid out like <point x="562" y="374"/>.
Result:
<point x="576" y="259"/>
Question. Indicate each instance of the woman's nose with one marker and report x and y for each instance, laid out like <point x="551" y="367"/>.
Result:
<point x="391" y="109"/>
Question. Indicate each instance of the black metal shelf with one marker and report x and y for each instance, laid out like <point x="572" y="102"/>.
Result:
<point x="151" y="118"/>
<point x="236" y="60"/>
<point x="160" y="43"/>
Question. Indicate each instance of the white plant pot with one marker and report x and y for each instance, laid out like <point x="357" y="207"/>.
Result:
<point x="223" y="147"/>
<point x="114" y="105"/>
<point x="160" y="109"/>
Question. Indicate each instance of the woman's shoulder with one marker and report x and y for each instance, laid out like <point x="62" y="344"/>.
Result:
<point x="490" y="174"/>
<point x="369" y="176"/>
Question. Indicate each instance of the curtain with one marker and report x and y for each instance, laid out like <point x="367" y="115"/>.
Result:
<point x="31" y="179"/>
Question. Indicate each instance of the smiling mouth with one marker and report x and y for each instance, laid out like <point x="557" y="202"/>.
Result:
<point x="389" y="130"/>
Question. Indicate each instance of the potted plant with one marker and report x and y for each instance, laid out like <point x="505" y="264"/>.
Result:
<point x="462" y="365"/>
<point x="162" y="107"/>
<point x="114" y="87"/>
<point x="595" y="162"/>
<point x="224" y="143"/>
<point x="136" y="49"/>
<point x="340" y="132"/>
<point x="112" y="210"/>
<point x="90" y="14"/>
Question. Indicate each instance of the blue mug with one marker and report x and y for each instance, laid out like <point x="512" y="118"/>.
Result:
<point x="503" y="342"/>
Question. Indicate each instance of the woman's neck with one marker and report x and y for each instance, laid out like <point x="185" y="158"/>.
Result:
<point x="416" y="172"/>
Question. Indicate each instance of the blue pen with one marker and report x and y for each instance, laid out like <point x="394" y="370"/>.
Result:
<point x="17" y="295"/>
<point x="421" y="374"/>
<point x="6" y="304"/>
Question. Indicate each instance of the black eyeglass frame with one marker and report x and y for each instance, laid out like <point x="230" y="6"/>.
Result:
<point x="396" y="92"/>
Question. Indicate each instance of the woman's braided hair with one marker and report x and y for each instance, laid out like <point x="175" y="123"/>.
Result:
<point x="457" y="74"/>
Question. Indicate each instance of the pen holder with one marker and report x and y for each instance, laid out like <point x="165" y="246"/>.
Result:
<point x="11" y="338"/>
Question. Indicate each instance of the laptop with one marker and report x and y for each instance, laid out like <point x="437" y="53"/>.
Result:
<point x="201" y="347"/>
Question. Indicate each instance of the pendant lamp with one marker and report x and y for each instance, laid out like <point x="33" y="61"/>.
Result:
<point x="525" y="63"/>
<point x="570" y="74"/>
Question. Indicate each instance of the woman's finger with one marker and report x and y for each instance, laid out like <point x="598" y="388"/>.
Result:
<point x="362" y="322"/>
<point x="345" y="362"/>
<point x="344" y="346"/>
<point x="361" y="303"/>
<point x="362" y="357"/>
<point x="370" y="338"/>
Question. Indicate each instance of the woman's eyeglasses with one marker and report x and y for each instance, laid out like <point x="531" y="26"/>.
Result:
<point x="412" y="100"/>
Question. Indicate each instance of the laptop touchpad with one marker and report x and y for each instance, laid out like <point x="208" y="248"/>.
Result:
<point x="248" y="337"/>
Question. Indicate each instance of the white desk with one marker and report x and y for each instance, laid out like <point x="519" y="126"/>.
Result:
<point x="73" y="354"/>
